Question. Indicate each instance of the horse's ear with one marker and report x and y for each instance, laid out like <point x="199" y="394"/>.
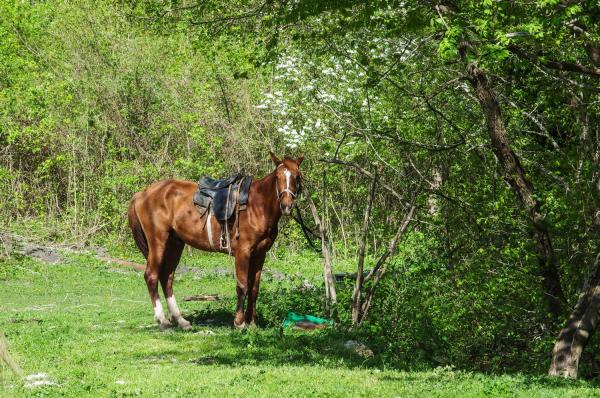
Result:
<point x="275" y="159"/>
<point x="299" y="160"/>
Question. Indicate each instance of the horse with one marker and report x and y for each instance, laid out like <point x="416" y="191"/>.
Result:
<point x="163" y="219"/>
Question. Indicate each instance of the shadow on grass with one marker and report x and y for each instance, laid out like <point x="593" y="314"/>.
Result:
<point x="278" y="347"/>
<point x="211" y="316"/>
<point x="272" y="346"/>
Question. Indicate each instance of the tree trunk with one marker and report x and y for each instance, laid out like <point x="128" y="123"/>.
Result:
<point x="330" y="292"/>
<point x="515" y="175"/>
<point x="380" y="269"/>
<point x="582" y="323"/>
<point x="433" y="205"/>
<point x="356" y="295"/>
<point x="584" y="319"/>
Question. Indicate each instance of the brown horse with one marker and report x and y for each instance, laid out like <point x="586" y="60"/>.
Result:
<point x="163" y="219"/>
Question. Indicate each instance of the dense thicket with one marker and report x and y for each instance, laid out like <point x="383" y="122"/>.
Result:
<point x="483" y="113"/>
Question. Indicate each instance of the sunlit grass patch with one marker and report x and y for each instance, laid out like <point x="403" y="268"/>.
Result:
<point x="87" y="326"/>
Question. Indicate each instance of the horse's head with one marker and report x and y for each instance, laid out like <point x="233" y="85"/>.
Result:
<point x="288" y="181"/>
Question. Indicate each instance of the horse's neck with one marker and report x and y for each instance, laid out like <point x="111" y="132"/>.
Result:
<point x="265" y="199"/>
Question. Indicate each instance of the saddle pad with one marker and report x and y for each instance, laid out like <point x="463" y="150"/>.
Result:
<point x="224" y="197"/>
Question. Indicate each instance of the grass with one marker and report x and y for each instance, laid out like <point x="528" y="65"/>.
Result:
<point x="88" y="326"/>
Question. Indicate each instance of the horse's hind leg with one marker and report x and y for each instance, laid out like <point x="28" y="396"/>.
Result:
<point x="156" y="250"/>
<point x="173" y="250"/>
<point x="256" y="265"/>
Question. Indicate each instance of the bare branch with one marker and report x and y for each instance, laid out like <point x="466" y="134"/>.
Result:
<point x="557" y="65"/>
<point x="364" y="172"/>
<point x="378" y="275"/>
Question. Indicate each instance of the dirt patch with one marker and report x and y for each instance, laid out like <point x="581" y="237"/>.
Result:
<point x="42" y="253"/>
<point x="12" y="244"/>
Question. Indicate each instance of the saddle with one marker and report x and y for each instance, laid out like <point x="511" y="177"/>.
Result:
<point x="221" y="198"/>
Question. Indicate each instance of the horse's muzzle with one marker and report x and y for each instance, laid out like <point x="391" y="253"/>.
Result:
<point x="287" y="209"/>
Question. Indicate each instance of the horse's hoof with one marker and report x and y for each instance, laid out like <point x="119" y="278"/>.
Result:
<point x="162" y="326"/>
<point x="184" y="324"/>
<point x="240" y="326"/>
<point x="252" y="325"/>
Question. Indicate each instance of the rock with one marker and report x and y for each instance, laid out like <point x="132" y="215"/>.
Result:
<point x="206" y="333"/>
<point x="358" y="348"/>
<point x="184" y="269"/>
<point x="223" y="272"/>
<point x="306" y="285"/>
<point x="274" y="274"/>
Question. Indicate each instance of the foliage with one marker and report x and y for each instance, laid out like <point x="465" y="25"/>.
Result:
<point x="97" y="100"/>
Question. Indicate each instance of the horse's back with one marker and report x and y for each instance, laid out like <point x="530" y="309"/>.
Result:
<point x="166" y="189"/>
<point x="159" y="202"/>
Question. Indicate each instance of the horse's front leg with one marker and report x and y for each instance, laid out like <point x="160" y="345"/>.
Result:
<point x="256" y="265"/>
<point x="242" y="265"/>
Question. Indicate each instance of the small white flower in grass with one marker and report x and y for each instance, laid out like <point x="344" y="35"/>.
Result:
<point x="120" y="382"/>
<point x="39" y="379"/>
<point x="36" y="376"/>
<point x="38" y="383"/>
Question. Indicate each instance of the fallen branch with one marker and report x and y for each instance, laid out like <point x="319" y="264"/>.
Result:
<point x="124" y="263"/>
<point x="202" y="297"/>
<point x="6" y="358"/>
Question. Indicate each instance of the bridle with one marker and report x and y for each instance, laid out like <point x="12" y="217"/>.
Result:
<point x="286" y="189"/>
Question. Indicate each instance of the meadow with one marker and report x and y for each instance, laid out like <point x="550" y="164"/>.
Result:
<point x="79" y="326"/>
<point x="451" y="147"/>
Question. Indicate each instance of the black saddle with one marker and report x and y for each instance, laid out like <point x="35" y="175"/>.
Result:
<point x="221" y="197"/>
<point x="212" y="184"/>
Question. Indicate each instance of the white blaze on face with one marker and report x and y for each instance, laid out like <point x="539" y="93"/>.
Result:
<point x="288" y="175"/>
<point x="158" y="311"/>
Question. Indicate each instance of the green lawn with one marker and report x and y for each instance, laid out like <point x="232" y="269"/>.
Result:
<point x="88" y="326"/>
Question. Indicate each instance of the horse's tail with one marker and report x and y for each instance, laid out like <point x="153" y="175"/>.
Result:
<point x="136" y="228"/>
